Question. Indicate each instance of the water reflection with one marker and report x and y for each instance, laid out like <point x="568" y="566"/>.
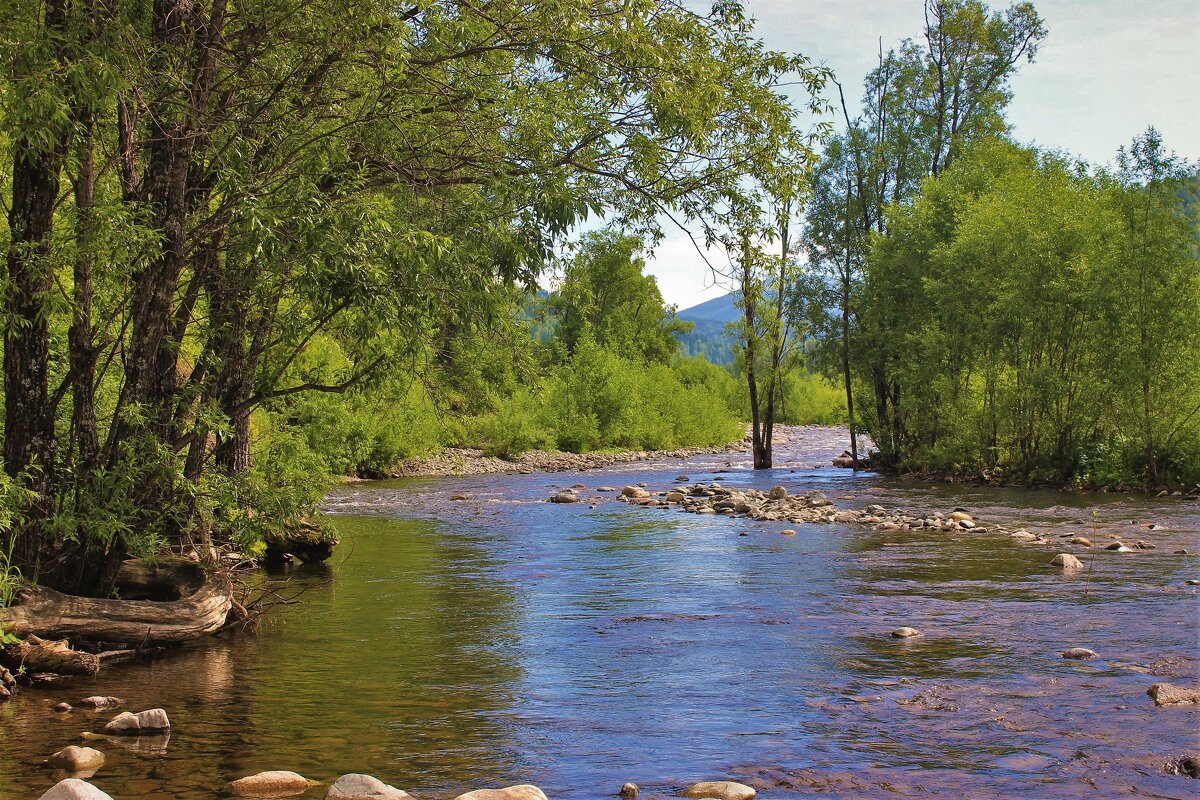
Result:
<point x="501" y="639"/>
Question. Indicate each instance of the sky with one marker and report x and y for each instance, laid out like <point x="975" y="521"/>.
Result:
<point x="1107" y="70"/>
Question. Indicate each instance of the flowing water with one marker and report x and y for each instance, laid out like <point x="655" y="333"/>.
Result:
<point x="500" y="639"/>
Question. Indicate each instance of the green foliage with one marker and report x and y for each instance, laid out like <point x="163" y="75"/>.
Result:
<point x="1035" y="319"/>
<point x="598" y="399"/>
<point x="605" y="296"/>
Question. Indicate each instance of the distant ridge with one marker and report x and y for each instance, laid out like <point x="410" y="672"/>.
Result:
<point x="708" y="338"/>
<point x="719" y="309"/>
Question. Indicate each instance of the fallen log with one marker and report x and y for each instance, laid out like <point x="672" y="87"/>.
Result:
<point x="44" y="655"/>
<point x="46" y="613"/>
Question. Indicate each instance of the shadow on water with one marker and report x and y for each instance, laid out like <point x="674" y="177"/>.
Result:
<point x="454" y="644"/>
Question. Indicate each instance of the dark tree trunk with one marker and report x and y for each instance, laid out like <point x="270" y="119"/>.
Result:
<point x="29" y="437"/>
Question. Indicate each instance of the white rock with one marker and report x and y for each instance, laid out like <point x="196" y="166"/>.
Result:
<point x="720" y="790"/>
<point x="523" y="792"/>
<point x="74" y="789"/>
<point x="356" y="786"/>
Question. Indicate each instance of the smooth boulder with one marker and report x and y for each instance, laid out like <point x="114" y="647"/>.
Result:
<point x="100" y="703"/>
<point x="1168" y="694"/>
<point x="905" y="633"/>
<point x="356" y="786"/>
<point x="77" y="759"/>
<point x="153" y="720"/>
<point x="1066" y="562"/>
<point x="523" y="792"/>
<point x="720" y="790"/>
<point x="74" y="789"/>
<point x="277" y="783"/>
<point x="1080" y="653"/>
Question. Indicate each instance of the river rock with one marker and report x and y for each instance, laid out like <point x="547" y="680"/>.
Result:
<point x="629" y="791"/>
<point x="1022" y="535"/>
<point x="1081" y="653"/>
<point x="778" y="493"/>
<point x="634" y="491"/>
<point x="565" y="497"/>
<point x="523" y="792"/>
<point x="905" y="633"/>
<point x="126" y="724"/>
<point x="62" y="708"/>
<point x="720" y="790"/>
<point x="1082" y="540"/>
<point x="787" y="532"/>
<point x="961" y="516"/>
<point x="1066" y="562"/>
<point x="1188" y="766"/>
<point x="356" y="786"/>
<point x="100" y="703"/>
<point x="277" y="783"/>
<point x="1167" y="694"/>
<point x="77" y="759"/>
<point x="74" y="789"/>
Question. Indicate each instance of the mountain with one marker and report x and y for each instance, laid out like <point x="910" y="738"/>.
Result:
<point x="708" y="338"/>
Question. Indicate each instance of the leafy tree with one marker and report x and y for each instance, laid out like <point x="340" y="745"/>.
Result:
<point x="359" y="175"/>
<point x="606" y="295"/>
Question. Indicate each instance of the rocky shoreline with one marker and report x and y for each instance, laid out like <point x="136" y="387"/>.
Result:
<point x="461" y="461"/>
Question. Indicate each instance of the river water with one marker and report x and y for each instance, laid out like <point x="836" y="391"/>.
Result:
<point x="501" y="639"/>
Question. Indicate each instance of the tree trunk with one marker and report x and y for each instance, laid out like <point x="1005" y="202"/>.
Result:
<point x="29" y="439"/>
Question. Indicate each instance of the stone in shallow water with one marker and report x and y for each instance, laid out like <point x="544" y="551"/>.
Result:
<point x="77" y="759"/>
<point x="356" y="786"/>
<point x="523" y="792"/>
<point x="74" y="789"/>
<point x="1168" y="694"/>
<point x="629" y="791"/>
<point x="276" y="783"/>
<point x="565" y="497"/>
<point x="1081" y="653"/>
<point x="720" y="790"/>
<point x="153" y="720"/>
<point x="905" y="633"/>
<point x="1066" y="562"/>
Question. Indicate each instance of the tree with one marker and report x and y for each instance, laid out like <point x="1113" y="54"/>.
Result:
<point x="922" y="106"/>
<point x="1153" y="300"/>
<point x="356" y="174"/>
<point x="605" y="294"/>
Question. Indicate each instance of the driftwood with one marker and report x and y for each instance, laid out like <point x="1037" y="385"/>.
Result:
<point x="45" y="655"/>
<point x="201" y="608"/>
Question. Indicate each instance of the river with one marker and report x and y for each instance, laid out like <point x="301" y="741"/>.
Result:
<point x="501" y="639"/>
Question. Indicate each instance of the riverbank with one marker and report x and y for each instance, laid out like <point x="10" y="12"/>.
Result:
<point x="460" y="461"/>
